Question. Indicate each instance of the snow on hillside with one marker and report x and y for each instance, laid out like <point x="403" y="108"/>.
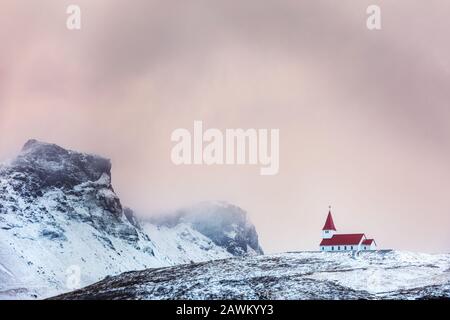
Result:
<point x="182" y="244"/>
<point x="59" y="213"/>
<point x="378" y="273"/>
<point x="297" y="275"/>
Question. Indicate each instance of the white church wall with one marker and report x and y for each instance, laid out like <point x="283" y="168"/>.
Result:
<point x="339" y="248"/>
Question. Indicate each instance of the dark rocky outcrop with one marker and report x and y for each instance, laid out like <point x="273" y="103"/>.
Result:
<point x="48" y="165"/>
<point x="72" y="180"/>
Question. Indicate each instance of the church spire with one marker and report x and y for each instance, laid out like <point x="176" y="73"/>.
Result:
<point x="329" y="224"/>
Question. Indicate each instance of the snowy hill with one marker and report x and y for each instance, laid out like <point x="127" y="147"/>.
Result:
<point x="59" y="213"/>
<point x="301" y="275"/>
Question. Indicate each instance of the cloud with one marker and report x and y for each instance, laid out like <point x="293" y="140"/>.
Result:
<point x="363" y="115"/>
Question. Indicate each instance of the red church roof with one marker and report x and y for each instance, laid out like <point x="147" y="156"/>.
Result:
<point x="368" y="242"/>
<point x="343" y="239"/>
<point x="329" y="224"/>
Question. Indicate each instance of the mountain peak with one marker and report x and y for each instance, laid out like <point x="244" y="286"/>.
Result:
<point x="52" y="165"/>
<point x="33" y="143"/>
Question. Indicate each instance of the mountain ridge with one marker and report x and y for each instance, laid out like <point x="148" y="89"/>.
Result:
<point x="58" y="209"/>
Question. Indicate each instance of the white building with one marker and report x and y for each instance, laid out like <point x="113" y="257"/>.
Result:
<point x="331" y="241"/>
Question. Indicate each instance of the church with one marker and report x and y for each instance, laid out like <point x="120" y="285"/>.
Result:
<point x="332" y="241"/>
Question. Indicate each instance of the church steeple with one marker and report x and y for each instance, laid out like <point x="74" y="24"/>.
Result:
<point x="328" y="229"/>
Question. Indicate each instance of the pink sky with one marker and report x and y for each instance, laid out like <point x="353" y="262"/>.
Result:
<point x="364" y="116"/>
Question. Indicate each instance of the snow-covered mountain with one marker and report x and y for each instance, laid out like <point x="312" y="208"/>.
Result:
<point x="225" y="224"/>
<point x="296" y="275"/>
<point x="60" y="216"/>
